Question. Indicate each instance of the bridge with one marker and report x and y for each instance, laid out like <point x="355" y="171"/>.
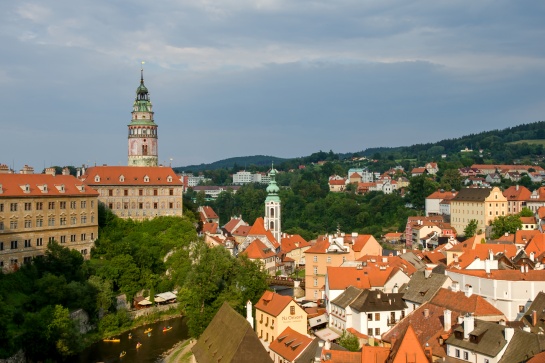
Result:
<point x="285" y="281"/>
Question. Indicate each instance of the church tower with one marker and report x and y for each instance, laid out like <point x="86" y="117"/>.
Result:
<point x="272" y="207"/>
<point x="142" y="130"/>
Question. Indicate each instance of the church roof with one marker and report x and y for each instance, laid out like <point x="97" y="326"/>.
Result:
<point x="131" y="176"/>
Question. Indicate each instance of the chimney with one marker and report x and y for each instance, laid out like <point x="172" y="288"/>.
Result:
<point x="426" y="313"/>
<point x="395" y="289"/>
<point x="327" y="345"/>
<point x="517" y="187"/>
<point x="469" y="290"/>
<point x="460" y="319"/>
<point x="526" y="268"/>
<point x="447" y="319"/>
<point x="249" y="315"/>
<point x="65" y="171"/>
<point x="427" y="272"/>
<point x="456" y="258"/>
<point x="454" y="286"/>
<point x="532" y="256"/>
<point x="502" y="322"/>
<point x="50" y="171"/>
<point x="534" y="318"/>
<point x="509" y="332"/>
<point x="428" y="352"/>
<point x="487" y="266"/>
<point x="469" y="326"/>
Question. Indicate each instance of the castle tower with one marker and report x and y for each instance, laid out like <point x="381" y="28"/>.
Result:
<point x="272" y="207"/>
<point x="143" y="146"/>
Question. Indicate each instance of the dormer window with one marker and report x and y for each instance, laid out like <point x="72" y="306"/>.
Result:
<point x="169" y="179"/>
<point x="122" y="178"/>
<point x="146" y="179"/>
<point x="1" y="190"/>
<point x="25" y="188"/>
<point x="60" y="188"/>
<point x="97" y="179"/>
<point x="43" y="188"/>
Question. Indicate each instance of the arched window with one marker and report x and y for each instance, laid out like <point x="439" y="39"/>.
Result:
<point x="271" y="225"/>
<point x="272" y="212"/>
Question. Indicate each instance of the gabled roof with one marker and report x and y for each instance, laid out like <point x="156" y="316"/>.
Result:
<point x="210" y="228"/>
<point x="258" y="229"/>
<point x="273" y="303"/>
<point x="507" y="275"/>
<point x="459" y="302"/>
<point x="347" y="297"/>
<point x="209" y="212"/>
<point x="441" y="194"/>
<point x="131" y="176"/>
<point x="538" y="308"/>
<point x="517" y="193"/>
<point x="491" y="338"/>
<point x="374" y="354"/>
<point x="339" y="278"/>
<point x="360" y="241"/>
<point x="258" y="251"/>
<point x="290" y="344"/>
<point x="337" y="182"/>
<point x="14" y="185"/>
<point x="536" y="244"/>
<point x="241" y="345"/>
<point x="408" y="346"/>
<point x="319" y="247"/>
<point x="341" y="356"/>
<point x="472" y="195"/>
<point x="241" y="231"/>
<point x="388" y="261"/>
<point x="234" y="222"/>
<point x="376" y="300"/>
<point x="421" y="288"/>
<point x="292" y="242"/>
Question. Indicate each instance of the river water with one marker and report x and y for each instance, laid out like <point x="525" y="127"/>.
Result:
<point x="152" y="348"/>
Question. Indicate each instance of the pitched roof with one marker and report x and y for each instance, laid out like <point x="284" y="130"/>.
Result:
<point x="241" y="345"/>
<point x="408" y="346"/>
<point x="388" y="261"/>
<point x="359" y="242"/>
<point x="273" y="303"/>
<point x="258" y="229"/>
<point x="421" y="288"/>
<point x="210" y="227"/>
<point x="290" y="344"/>
<point x="337" y="182"/>
<point x="131" y="176"/>
<point x="347" y="296"/>
<point x="292" y="242"/>
<point x="472" y="195"/>
<point x="339" y="278"/>
<point x="376" y="300"/>
<point x="341" y="356"/>
<point x="538" y="308"/>
<point x="491" y="338"/>
<point x="229" y="226"/>
<point x="517" y="193"/>
<point x="507" y="275"/>
<point x="441" y="194"/>
<point x="319" y="247"/>
<point x="209" y="212"/>
<point x="15" y="185"/>
<point x="258" y="251"/>
<point x="374" y="354"/>
<point x="241" y="231"/>
<point x="459" y="302"/>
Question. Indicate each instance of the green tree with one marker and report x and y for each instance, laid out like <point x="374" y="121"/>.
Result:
<point x="419" y="188"/>
<point x="505" y="224"/>
<point x="452" y="179"/>
<point x="526" y="212"/>
<point x="471" y="228"/>
<point x="349" y="341"/>
<point x="62" y="330"/>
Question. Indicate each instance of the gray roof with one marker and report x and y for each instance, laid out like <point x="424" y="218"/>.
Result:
<point x="413" y="259"/>
<point x="375" y="300"/>
<point x="421" y="289"/>
<point x="490" y="343"/>
<point x="240" y="345"/>
<point x="522" y="347"/>
<point x="539" y="306"/>
<point x="309" y="353"/>
<point x="348" y="295"/>
<point x="472" y="195"/>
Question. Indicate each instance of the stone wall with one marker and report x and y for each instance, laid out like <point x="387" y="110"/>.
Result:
<point x="137" y="313"/>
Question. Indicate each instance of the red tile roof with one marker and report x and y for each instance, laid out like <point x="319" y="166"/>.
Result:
<point x="14" y="185"/>
<point x="290" y="344"/>
<point x="292" y="242"/>
<point x="517" y="193"/>
<point x="319" y="247"/>
<point x="339" y="278"/>
<point x="388" y="261"/>
<point x="341" y="356"/>
<point x="258" y="251"/>
<point x="374" y="354"/>
<point x="446" y="195"/>
<point x="132" y="175"/>
<point x="507" y="275"/>
<point x="536" y="244"/>
<point x="258" y="229"/>
<point x="241" y="231"/>
<point x="210" y="228"/>
<point x="209" y="212"/>
<point x="229" y="226"/>
<point x="337" y="182"/>
<point x="408" y="347"/>
<point x="273" y="303"/>
<point x="459" y="302"/>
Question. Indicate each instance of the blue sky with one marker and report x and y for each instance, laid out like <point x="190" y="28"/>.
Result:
<point x="275" y="77"/>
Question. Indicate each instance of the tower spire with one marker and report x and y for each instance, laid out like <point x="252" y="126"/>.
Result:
<point x="142" y="73"/>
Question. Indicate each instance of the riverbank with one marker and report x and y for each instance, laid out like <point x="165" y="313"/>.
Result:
<point x="180" y="353"/>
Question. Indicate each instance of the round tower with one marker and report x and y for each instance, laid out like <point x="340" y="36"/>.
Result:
<point x="143" y="140"/>
<point x="272" y="207"/>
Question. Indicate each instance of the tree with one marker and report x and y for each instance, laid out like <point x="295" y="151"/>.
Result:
<point x="349" y="341"/>
<point x="419" y="188"/>
<point x="526" y="212"/>
<point x="505" y="224"/>
<point x="471" y="228"/>
<point x="452" y="179"/>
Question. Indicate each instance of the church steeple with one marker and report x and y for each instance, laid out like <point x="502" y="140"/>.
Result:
<point x="143" y="139"/>
<point x="273" y="208"/>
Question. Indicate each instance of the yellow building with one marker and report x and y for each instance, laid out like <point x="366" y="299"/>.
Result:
<point x="481" y="204"/>
<point x="38" y="208"/>
<point x="137" y="192"/>
<point x="274" y="313"/>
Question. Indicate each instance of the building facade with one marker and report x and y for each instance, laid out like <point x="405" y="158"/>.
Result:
<point x="143" y="139"/>
<point x="137" y="192"/>
<point x="36" y="209"/>
<point x="273" y="208"/>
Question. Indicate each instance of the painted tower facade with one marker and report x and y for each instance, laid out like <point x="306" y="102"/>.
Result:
<point x="272" y="207"/>
<point x="143" y="140"/>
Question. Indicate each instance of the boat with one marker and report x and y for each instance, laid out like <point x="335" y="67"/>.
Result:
<point x="111" y="340"/>
<point x="166" y="328"/>
<point x="138" y="345"/>
<point x="122" y="354"/>
<point x="147" y="330"/>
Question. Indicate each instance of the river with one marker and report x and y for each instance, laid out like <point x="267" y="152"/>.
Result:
<point x="152" y="348"/>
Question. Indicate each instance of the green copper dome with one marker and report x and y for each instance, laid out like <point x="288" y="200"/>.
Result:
<point x="272" y="189"/>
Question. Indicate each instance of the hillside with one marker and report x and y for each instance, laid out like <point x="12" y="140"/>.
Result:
<point x="232" y="163"/>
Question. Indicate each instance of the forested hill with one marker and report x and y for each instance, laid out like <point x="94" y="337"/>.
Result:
<point x="233" y="163"/>
<point x="494" y="140"/>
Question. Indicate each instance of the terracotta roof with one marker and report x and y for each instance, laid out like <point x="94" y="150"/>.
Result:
<point x="210" y="228"/>
<point x="517" y="193"/>
<point x="541" y="212"/>
<point x="258" y="229"/>
<point x="319" y="247"/>
<point x="257" y="250"/>
<point x="209" y="212"/>
<point x="446" y="195"/>
<point x="374" y="354"/>
<point x="507" y="275"/>
<point x="339" y="278"/>
<point x="14" y="185"/>
<point x="538" y="358"/>
<point x="360" y="241"/>
<point x="337" y="182"/>
<point x="241" y="231"/>
<point x="459" y="302"/>
<point x="393" y="235"/>
<point x="290" y="344"/>
<point x="418" y="170"/>
<point x="536" y="244"/>
<point x="408" y="346"/>
<point x="528" y="220"/>
<point x="229" y="226"/>
<point x="340" y="356"/>
<point x="273" y="303"/>
<point x="130" y="175"/>
<point x="505" y="166"/>
<point x="240" y="345"/>
<point x="292" y="242"/>
<point x="386" y="262"/>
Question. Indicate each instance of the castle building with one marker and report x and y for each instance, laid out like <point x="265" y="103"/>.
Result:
<point x="36" y="209"/>
<point x="272" y="208"/>
<point x="137" y="192"/>
<point x="143" y="140"/>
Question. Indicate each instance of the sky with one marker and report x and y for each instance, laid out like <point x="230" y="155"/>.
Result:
<point x="284" y="78"/>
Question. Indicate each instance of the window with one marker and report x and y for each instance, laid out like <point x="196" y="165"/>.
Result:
<point x="171" y="192"/>
<point x="140" y="205"/>
<point x="51" y="205"/>
<point x="62" y="221"/>
<point x="154" y="205"/>
<point x="51" y="239"/>
<point x="73" y="220"/>
<point x="83" y="236"/>
<point x="39" y="206"/>
<point x="315" y="282"/>
<point x="13" y="224"/>
<point x="73" y="205"/>
<point x="125" y="192"/>
<point x="83" y="219"/>
<point x="39" y="242"/>
<point x="73" y="238"/>
<point x="13" y="207"/>
<point x="315" y="258"/>
<point x="28" y="206"/>
<point x="62" y="205"/>
<point x="83" y="204"/>
<point x="171" y="205"/>
<point x="315" y="294"/>
<point x="27" y="260"/>
<point x="110" y="205"/>
<point x="466" y="355"/>
<point x="27" y="243"/>
<point x="328" y="259"/>
<point x="486" y="360"/>
<point x="1" y="207"/>
<point x="140" y="192"/>
<point x="377" y="316"/>
<point x="370" y="317"/>
<point x="63" y="239"/>
<point x="28" y="223"/>
<point x="1" y="246"/>
<point x="13" y="245"/>
<point x="315" y="270"/>
<point x="370" y="332"/>
<point x="154" y="191"/>
<point x="1" y="226"/>
<point x="292" y="310"/>
<point x="51" y="221"/>
<point x="377" y="331"/>
<point x="126" y="205"/>
<point x="110" y="192"/>
<point x="457" y="353"/>
<point x="521" y="308"/>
